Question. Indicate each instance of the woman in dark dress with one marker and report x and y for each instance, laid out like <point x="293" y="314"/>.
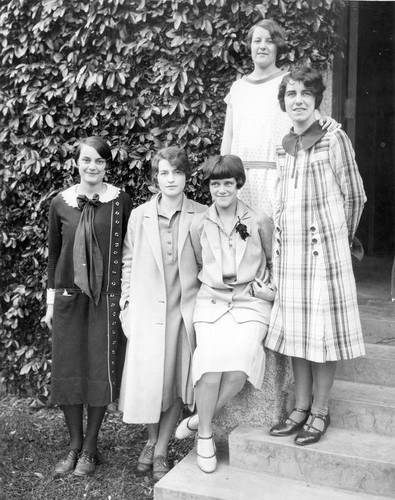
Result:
<point x="87" y="224"/>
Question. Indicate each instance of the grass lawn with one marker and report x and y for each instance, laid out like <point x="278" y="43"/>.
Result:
<point x="32" y="440"/>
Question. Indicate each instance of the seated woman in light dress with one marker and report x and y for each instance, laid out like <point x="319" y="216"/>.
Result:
<point x="232" y="245"/>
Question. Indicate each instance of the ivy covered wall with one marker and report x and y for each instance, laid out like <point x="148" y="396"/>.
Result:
<point x="141" y="73"/>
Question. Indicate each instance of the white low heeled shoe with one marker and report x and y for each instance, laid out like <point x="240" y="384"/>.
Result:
<point x="185" y="429"/>
<point x="208" y="462"/>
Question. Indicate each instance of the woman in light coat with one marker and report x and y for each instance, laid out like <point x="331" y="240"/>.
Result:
<point x="159" y="286"/>
<point x="232" y="244"/>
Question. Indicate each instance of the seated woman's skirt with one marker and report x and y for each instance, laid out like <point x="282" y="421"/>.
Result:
<point x="227" y="345"/>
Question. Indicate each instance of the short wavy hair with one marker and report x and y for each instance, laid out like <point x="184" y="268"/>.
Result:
<point x="277" y="33"/>
<point x="97" y="143"/>
<point x="310" y="77"/>
<point x="224" y="167"/>
<point x="177" y="158"/>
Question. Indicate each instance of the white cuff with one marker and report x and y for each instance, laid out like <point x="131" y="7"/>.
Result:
<point x="50" y="296"/>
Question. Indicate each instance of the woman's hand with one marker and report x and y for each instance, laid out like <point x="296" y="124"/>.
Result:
<point x="329" y="123"/>
<point x="262" y="288"/>
<point x="47" y="319"/>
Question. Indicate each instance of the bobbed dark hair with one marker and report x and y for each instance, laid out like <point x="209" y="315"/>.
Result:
<point x="310" y="77"/>
<point x="177" y="158"/>
<point x="224" y="167"/>
<point x="99" y="145"/>
<point x="276" y="32"/>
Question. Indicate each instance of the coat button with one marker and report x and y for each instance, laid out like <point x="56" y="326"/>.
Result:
<point x="314" y="240"/>
<point x="213" y="301"/>
<point x="315" y="253"/>
<point x="313" y="228"/>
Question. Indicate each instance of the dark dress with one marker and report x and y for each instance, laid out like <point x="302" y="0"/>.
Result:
<point x="87" y="339"/>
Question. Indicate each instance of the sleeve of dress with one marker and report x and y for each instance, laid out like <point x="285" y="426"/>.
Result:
<point x="280" y="158"/>
<point x="266" y="233"/>
<point x="127" y="208"/>
<point x="342" y="160"/>
<point x="54" y="243"/>
<point x="127" y="258"/>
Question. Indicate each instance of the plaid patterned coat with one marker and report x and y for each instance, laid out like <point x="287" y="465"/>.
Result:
<point x="320" y="198"/>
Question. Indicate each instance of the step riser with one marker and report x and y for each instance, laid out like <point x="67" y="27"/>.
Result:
<point x="362" y="416"/>
<point x="375" y="331"/>
<point x="170" y="494"/>
<point x="310" y="465"/>
<point x="367" y="370"/>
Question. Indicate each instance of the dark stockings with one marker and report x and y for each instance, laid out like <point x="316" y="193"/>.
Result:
<point x="74" y="421"/>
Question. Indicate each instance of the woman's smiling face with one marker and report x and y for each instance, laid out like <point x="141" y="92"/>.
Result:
<point x="223" y="192"/>
<point x="91" y="166"/>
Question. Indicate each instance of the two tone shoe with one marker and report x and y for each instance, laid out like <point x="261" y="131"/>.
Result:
<point x="160" y="467"/>
<point x="86" y="464"/>
<point x="206" y="454"/>
<point x="288" y="425"/>
<point x="187" y="427"/>
<point x="310" y="434"/>
<point x="68" y="463"/>
<point x="146" y="459"/>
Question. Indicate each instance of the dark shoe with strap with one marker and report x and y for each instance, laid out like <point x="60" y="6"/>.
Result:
<point x="67" y="464"/>
<point x="310" y="434"/>
<point x="146" y="459"/>
<point x="288" y="425"/>
<point x="160" y="467"/>
<point x="86" y="463"/>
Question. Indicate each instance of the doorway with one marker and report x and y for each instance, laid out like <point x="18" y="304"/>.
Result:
<point x="364" y="102"/>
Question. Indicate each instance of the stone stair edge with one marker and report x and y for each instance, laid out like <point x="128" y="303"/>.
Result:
<point x="332" y="443"/>
<point x="186" y="482"/>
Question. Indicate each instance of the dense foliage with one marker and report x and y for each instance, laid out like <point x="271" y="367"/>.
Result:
<point x="142" y="73"/>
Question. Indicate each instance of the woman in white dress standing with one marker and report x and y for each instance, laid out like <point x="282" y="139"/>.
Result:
<point x="315" y="317"/>
<point x="232" y="245"/>
<point x="254" y="123"/>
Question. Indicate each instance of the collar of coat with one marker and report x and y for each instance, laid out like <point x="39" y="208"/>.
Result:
<point x="185" y="206"/>
<point x="242" y="213"/>
<point x="306" y="140"/>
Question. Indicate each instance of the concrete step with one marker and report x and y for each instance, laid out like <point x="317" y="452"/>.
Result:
<point x="377" y="367"/>
<point x="187" y="482"/>
<point x="355" y="461"/>
<point x="377" y="319"/>
<point x="363" y="407"/>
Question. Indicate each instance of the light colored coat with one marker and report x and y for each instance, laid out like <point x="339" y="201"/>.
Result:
<point x="144" y="320"/>
<point x="216" y="297"/>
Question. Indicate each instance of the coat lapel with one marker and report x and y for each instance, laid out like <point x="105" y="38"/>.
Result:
<point x="212" y="232"/>
<point x="187" y="212"/>
<point x="241" y="245"/>
<point x="151" y="229"/>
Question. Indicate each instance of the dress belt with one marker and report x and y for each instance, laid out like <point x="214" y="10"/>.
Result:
<point x="67" y="291"/>
<point x="259" y="164"/>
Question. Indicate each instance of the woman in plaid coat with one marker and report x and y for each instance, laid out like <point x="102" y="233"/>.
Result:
<point x="320" y="196"/>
